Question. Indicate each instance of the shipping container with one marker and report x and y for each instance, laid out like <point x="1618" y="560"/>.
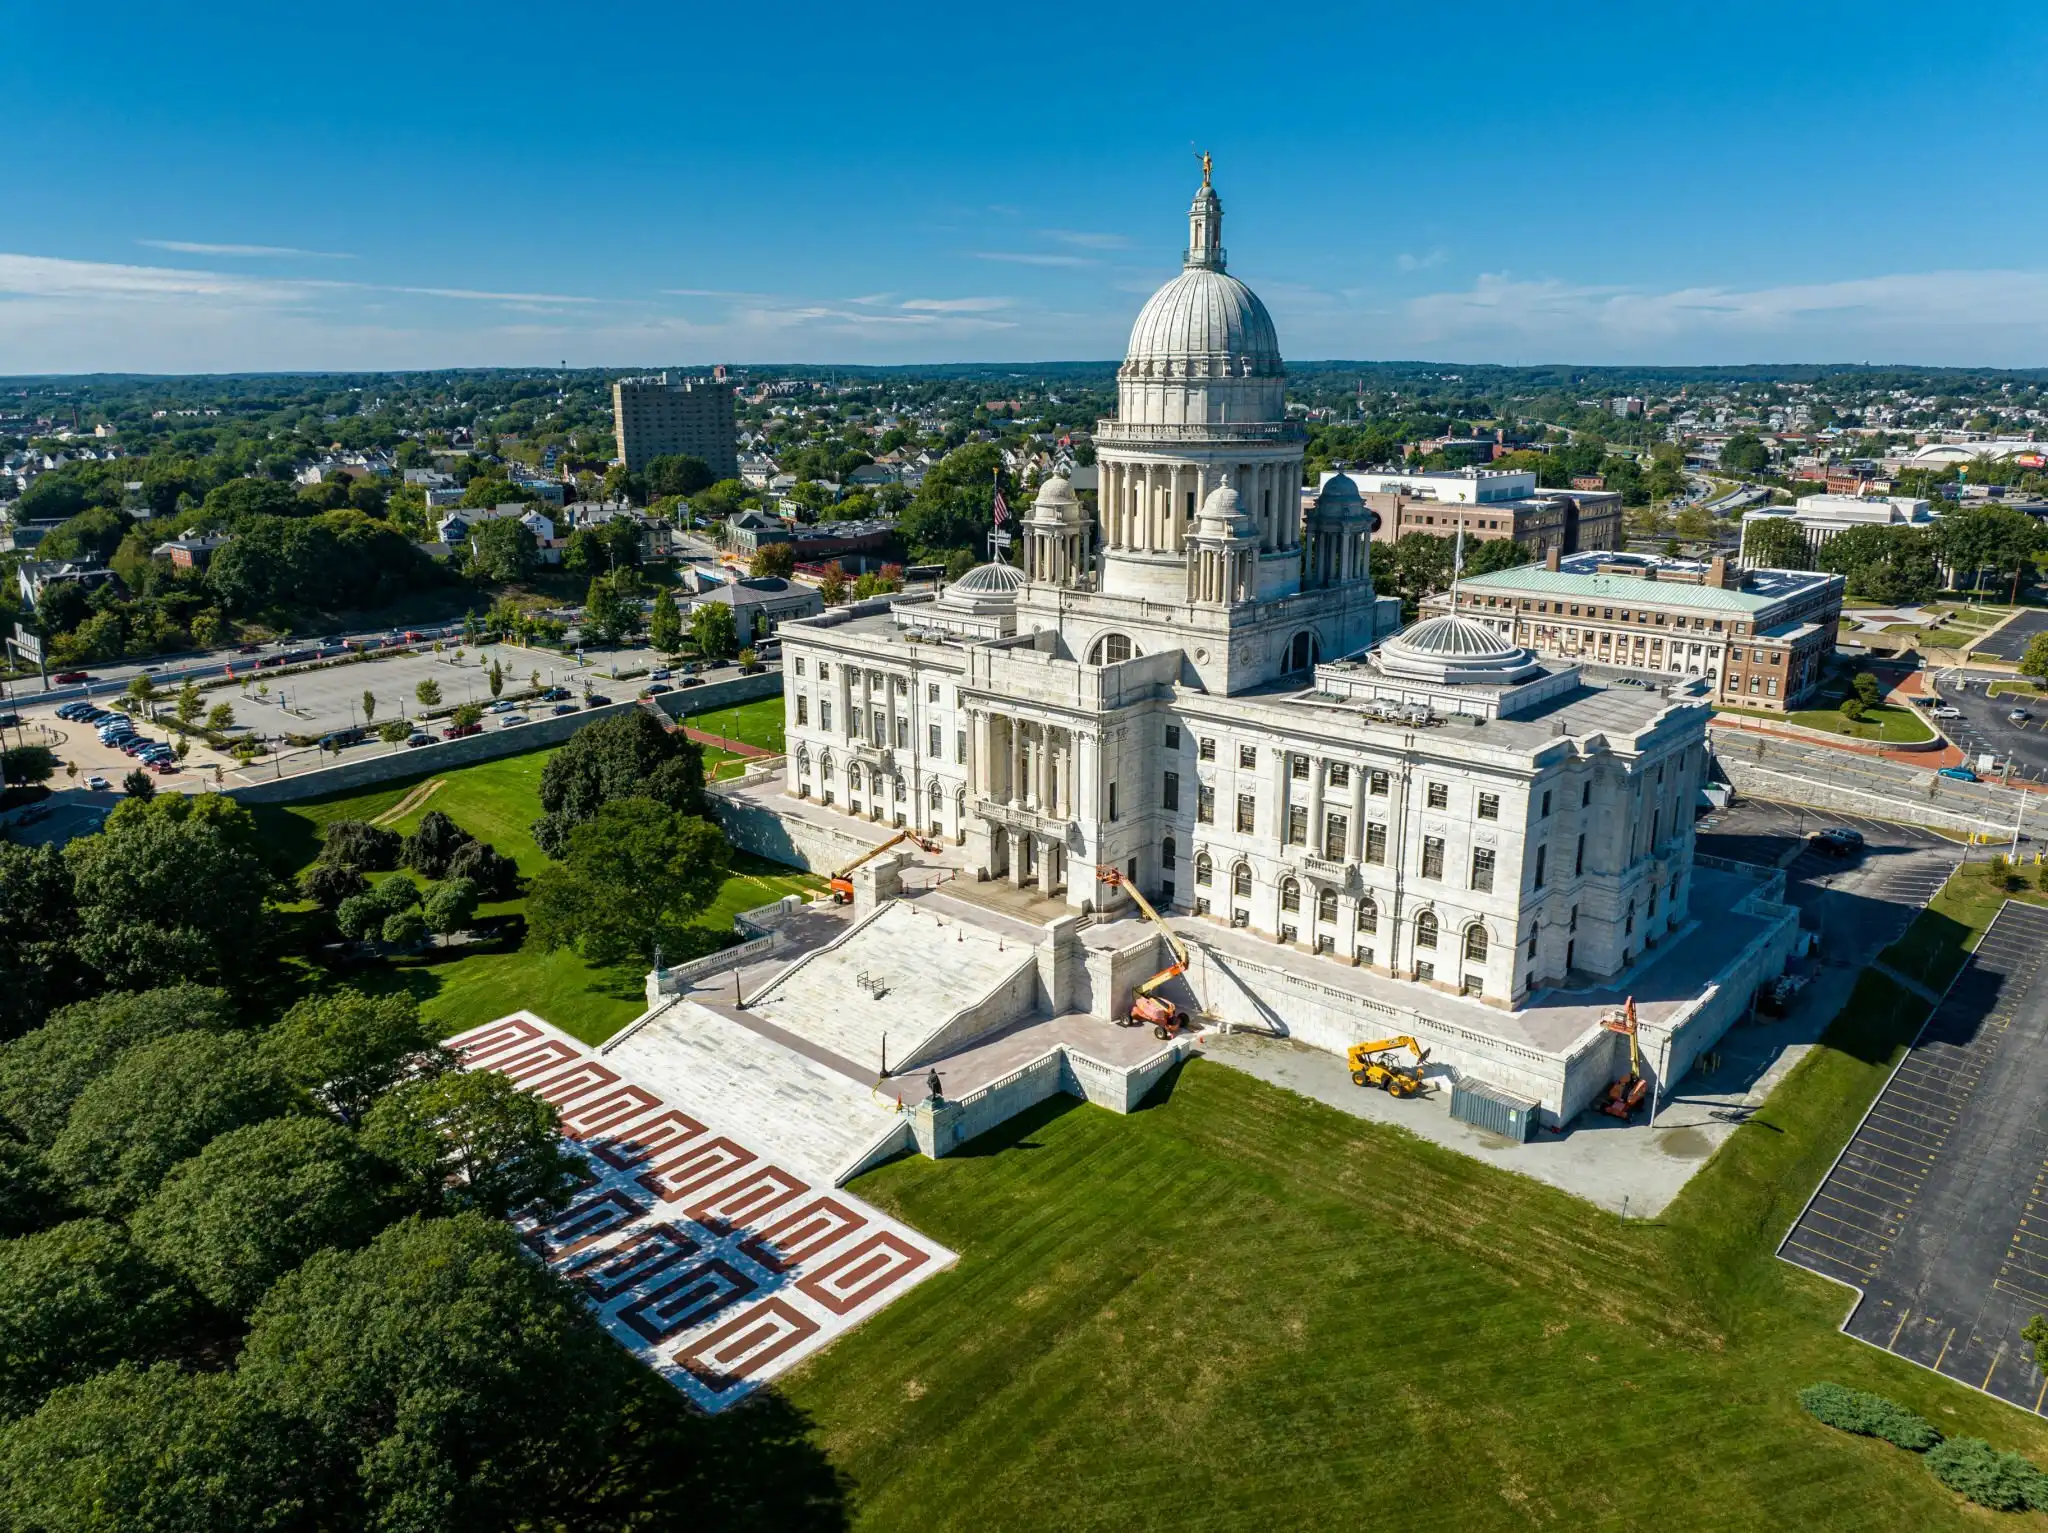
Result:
<point x="1487" y="1106"/>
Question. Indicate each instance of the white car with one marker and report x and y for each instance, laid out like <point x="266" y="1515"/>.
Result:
<point x="1944" y="711"/>
<point x="98" y="785"/>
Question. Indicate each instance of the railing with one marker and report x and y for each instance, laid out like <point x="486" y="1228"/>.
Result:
<point x="1114" y="433"/>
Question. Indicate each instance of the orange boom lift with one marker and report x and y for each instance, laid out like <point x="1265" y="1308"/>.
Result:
<point x="1626" y="1094"/>
<point x="842" y="881"/>
<point x="1147" y="1009"/>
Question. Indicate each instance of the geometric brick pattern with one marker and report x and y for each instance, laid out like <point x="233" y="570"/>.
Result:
<point x="699" y="1253"/>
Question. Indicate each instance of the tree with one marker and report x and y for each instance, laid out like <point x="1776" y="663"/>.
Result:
<point x="832" y="585"/>
<point x="369" y="705"/>
<point x="773" y="559"/>
<point x="714" y="630"/>
<point x="1745" y="453"/>
<point x="1853" y="708"/>
<point x="472" y="1139"/>
<point x="161" y="1449"/>
<point x="1868" y="688"/>
<point x="450" y="908"/>
<point x="429" y="693"/>
<point x="626" y="756"/>
<point x="433" y="842"/>
<point x="495" y="875"/>
<point x="161" y="1102"/>
<point x="665" y="631"/>
<point x="258" y="1201"/>
<point x="607" y="616"/>
<point x="142" y="693"/>
<point x="394" y="731"/>
<point x="1775" y="543"/>
<point x="954" y="506"/>
<point x="629" y="878"/>
<point x="31" y="1197"/>
<point x="27" y="764"/>
<point x="138" y="784"/>
<point x="437" y="1378"/>
<point x="363" y="918"/>
<point x="496" y="677"/>
<point x="37" y="966"/>
<point x="43" y="1072"/>
<point x="189" y="703"/>
<point x="748" y="659"/>
<point x="2035" y="661"/>
<point x="221" y="716"/>
<point x="74" y="1299"/>
<point x="1892" y="564"/>
<point x="348" y="1048"/>
<point x="171" y="888"/>
<point x="405" y="930"/>
<point x="678" y="474"/>
<point x="1494" y="554"/>
<point x="360" y="844"/>
<point x="327" y="884"/>
<point x="467" y="716"/>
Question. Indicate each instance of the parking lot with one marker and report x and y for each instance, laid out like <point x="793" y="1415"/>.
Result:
<point x="1937" y="1211"/>
<point x="1987" y="726"/>
<point x="2010" y="642"/>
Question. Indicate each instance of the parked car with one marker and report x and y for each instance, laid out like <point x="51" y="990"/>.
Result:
<point x="1776" y="998"/>
<point x="561" y="708"/>
<point x="1959" y="774"/>
<point x="660" y="675"/>
<point x="2018" y="716"/>
<point x="1836" y="841"/>
<point x="693" y="681"/>
<point x="1945" y="711"/>
<point x="512" y="720"/>
<point x="163" y="766"/>
<point x="502" y="705"/>
<point x="596" y="700"/>
<point x="70" y="678"/>
<point x="98" y="784"/>
<point x="414" y="741"/>
<point x="457" y="731"/>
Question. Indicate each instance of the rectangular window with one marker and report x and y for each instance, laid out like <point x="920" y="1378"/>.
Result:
<point x="1297" y="825"/>
<point x="903" y="734"/>
<point x="1247" y="755"/>
<point x="1585" y="794"/>
<point x="1482" y="869"/>
<point x="1438" y="796"/>
<point x="1772" y="687"/>
<point x="1173" y="737"/>
<point x="1546" y="805"/>
<point x="1579" y="861"/>
<point x="1474" y="985"/>
<point x="824" y="713"/>
<point x="1432" y="856"/>
<point x="1375" y="842"/>
<point x="1340" y="775"/>
<point x="1378" y="783"/>
<point x="1205" y="804"/>
<point x="1297" y="768"/>
<point x="1247" y="812"/>
<point x="1336" y="836"/>
<point x="799" y="665"/>
<point x="931" y="691"/>
<point x="1112" y="801"/>
<point x="803" y="710"/>
<point x="1203" y="869"/>
<point x="878" y="726"/>
<point x="1426" y="972"/>
<point x="824" y="671"/>
<point x="1489" y="806"/>
<point x="960" y="746"/>
<point x="1540" y="852"/>
<point x="938" y="741"/>
<point x="1205" y="748"/>
<point x="1201" y="907"/>
<point x="1169" y="791"/>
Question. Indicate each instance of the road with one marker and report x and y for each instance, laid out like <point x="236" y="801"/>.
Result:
<point x="1827" y="768"/>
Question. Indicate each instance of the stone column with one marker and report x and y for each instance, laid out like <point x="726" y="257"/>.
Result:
<point x="1018" y="840"/>
<point x="1046" y="854"/>
<point x="1014" y="788"/>
<point x="1086" y="771"/>
<point x="1355" y="840"/>
<point x="1316" y="769"/>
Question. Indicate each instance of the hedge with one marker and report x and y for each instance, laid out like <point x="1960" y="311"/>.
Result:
<point x="2005" y="1482"/>
<point x="1868" y="1415"/>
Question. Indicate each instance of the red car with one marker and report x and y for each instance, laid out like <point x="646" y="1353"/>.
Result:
<point x="71" y="678"/>
<point x="457" y="731"/>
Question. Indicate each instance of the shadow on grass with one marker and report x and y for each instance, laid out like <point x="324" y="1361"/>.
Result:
<point x="1016" y="1133"/>
<point x="1162" y="1089"/>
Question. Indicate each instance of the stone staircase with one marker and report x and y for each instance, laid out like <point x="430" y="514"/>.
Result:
<point x="894" y="981"/>
<point x="810" y="1117"/>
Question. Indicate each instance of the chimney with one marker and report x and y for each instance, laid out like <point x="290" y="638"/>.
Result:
<point x="1551" y="560"/>
<point x="1717" y="572"/>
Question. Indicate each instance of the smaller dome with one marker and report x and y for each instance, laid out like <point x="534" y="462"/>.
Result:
<point x="1055" y="492"/>
<point x="1450" y="649"/>
<point x="1055" y="504"/>
<point x="991" y="578"/>
<point x="1339" y="497"/>
<point x="1458" y="638"/>
<point x="1223" y="516"/>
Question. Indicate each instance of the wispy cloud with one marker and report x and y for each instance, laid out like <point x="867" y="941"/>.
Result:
<point x="473" y="295"/>
<point x="956" y="305"/>
<point x="1087" y="240"/>
<point x="1033" y="258"/>
<point x="1409" y="260"/>
<point x="199" y="247"/>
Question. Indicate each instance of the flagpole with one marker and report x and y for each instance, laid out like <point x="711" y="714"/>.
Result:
<point x="1457" y="565"/>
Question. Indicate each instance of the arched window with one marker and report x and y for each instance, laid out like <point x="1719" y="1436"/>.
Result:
<point x="1205" y="869"/>
<point x="1425" y="929"/>
<point x="1241" y="880"/>
<point x="1303" y="652"/>
<point x="1368" y="915"/>
<point x="1326" y="905"/>
<point x="853" y="776"/>
<point x="824" y="766"/>
<point x="1475" y="943"/>
<point x="1110" y="649"/>
<point x="938" y="798"/>
<point x="1166" y="854"/>
<point x="1290" y="894"/>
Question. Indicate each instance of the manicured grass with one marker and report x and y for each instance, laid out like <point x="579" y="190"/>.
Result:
<point x="757" y="723"/>
<point x="1240" y="1308"/>
<point x="460" y="987"/>
<point x="2016" y="689"/>
<point x="1887" y="723"/>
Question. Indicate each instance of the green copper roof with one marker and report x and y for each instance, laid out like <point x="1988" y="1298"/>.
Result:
<point x="1623" y="590"/>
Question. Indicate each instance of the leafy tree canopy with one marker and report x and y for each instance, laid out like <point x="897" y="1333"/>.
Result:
<point x="37" y="919"/>
<point x="74" y="1299"/>
<point x="349" y="1048"/>
<point x="626" y="756"/>
<point x="631" y="877"/>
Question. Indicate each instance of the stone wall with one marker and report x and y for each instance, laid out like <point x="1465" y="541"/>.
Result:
<point x="1912" y="806"/>
<point x="1011" y="1001"/>
<point x="792" y="841"/>
<point x="492" y="744"/>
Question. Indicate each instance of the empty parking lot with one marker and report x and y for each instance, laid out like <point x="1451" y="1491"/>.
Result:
<point x="1937" y="1211"/>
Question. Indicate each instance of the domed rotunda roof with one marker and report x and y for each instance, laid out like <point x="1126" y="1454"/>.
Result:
<point x="1210" y="316"/>
<point x="1454" y="649"/>
<point x="989" y="580"/>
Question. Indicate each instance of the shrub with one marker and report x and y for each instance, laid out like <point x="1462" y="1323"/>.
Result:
<point x="1868" y="1415"/>
<point x="2005" y="1482"/>
<point x="332" y="884"/>
<point x="495" y="875"/>
<point x="437" y="839"/>
<point x="363" y="845"/>
<point x="407" y="929"/>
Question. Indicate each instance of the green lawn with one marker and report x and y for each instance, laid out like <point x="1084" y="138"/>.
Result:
<point x="1887" y="723"/>
<point x="2015" y="689"/>
<point x="460" y="987"/>
<point x="757" y="723"/>
<point x="1242" y="1309"/>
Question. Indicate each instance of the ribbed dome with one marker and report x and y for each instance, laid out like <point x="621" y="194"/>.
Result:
<point x="996" y="578"/>
<point x="1456" y="638"/>
<point x="1204" y="323"/>
<point x="1055" y="502"/>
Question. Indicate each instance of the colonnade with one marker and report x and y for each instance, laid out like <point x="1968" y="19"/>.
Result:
<point x="1148" y="507"/>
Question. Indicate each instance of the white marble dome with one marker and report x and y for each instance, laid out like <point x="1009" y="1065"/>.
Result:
<point x="1204" y="324"/>
<point x="1451" y="649"/>
<point x="989" y="580"/>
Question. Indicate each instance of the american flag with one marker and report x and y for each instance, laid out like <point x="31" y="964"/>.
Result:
<point x="1002" y="506"/>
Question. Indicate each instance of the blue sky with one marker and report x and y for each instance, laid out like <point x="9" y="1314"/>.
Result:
<point x="238" y="186"/>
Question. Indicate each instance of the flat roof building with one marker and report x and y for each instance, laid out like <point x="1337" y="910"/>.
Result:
<point x="1820" y="517"/>
<point x="1489" y="504"/>
<point x="654" y="418"/>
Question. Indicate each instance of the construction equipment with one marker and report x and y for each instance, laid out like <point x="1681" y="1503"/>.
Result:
<point x="1147" y="1009"/>
<point x="1626" y="1094"/>
<point x="1371" y="1066"/>
<point x="842" y="881"/>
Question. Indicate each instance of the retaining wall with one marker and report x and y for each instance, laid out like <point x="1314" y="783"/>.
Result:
<point x="794" y="842"/>
<point x="1011" y="1001"/>
<point x="492" y="744"/>
<point x="1912" y="806"/>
